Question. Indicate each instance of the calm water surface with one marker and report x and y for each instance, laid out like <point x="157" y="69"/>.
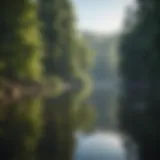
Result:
<point x="99" y="146"/>
<point x="62" y="128"/>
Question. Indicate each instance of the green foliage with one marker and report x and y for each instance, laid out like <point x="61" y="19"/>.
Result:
<point x="58" y="34"/>
<point x="66" y="54"/>
<point x="25" y="52"/>
<point x="20" y="40"/>
<point x="23" y="56"/>
<point x="140" y="63"/>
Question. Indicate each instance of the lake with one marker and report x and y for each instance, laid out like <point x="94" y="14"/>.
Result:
<point x="61" y="128"/>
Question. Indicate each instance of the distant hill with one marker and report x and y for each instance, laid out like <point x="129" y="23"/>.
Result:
<point x="104" y="73"/>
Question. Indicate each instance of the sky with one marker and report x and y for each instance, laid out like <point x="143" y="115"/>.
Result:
<point x="103" y="16"/>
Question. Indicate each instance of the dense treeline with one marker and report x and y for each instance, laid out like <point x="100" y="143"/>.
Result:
<point x="65" y="54"/>
<point x="59" y="36"/>
<point x="140" y="62"/>
<point x="20" y="41"/>
<point x="39" y="43"/>
<point x="39" y="40"/>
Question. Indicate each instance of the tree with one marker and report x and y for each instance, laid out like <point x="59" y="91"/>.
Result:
<point x="140" y="63"/>
<point x="59" y="36"/>
<point x="66" y="55"/>
<point x="20" y="40"/>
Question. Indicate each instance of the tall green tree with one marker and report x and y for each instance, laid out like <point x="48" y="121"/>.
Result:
<point x="59" y="36"/>
<point x="66" y="55"/>
<point x="20" y="45"/>
<point x="140" y="68"/>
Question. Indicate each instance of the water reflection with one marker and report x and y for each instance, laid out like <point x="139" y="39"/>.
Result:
<point x="100" y="146"/>
<point x="44" y="128"/>
<point x="57" y="140"/>
<point x="20" y="129"/>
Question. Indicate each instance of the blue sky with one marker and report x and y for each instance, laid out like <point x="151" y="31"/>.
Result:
<point x="103" y="16"/>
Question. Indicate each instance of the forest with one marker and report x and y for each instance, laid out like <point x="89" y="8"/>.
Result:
<point x="40" y="46"/>
<point x="43" y="54"/>
<point x="139" y="51"/>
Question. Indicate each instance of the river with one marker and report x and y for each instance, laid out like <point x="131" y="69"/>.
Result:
<point x="60" y="128"/>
